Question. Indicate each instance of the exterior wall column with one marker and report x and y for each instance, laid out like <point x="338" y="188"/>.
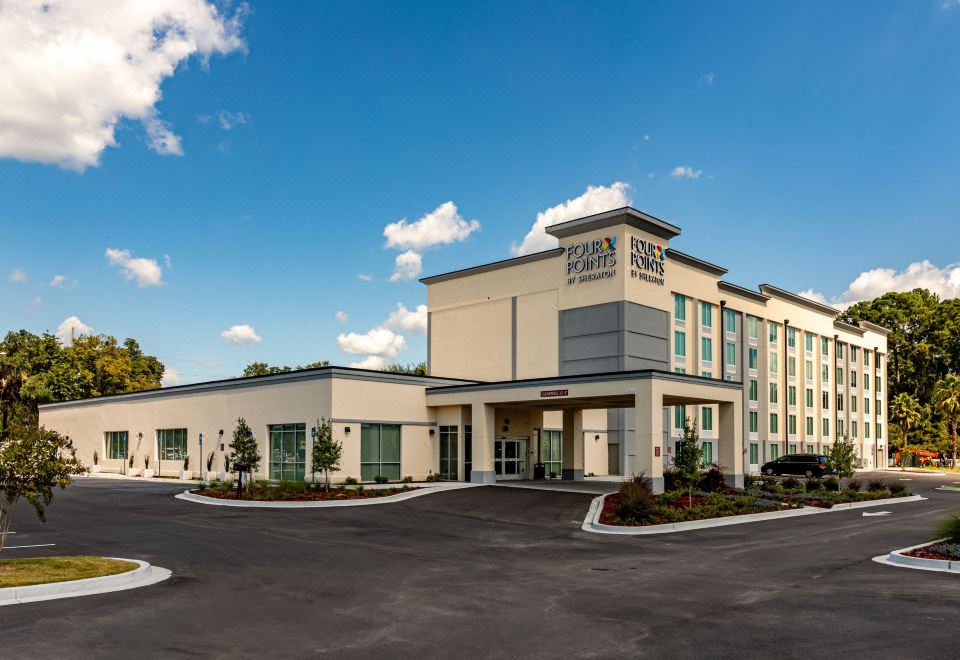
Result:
<point x="483" y="422"/>
<point x="535" y="444"/>
<point x="648" y="436"/>
<point x="573" y="445"/>
<point x="731" y="442"/>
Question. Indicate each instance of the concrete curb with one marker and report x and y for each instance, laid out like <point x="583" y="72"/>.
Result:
<point x="253" y="504"/>
<point x="949" y="489"/>
<point x="142" y="576"/>
<point x="899" y="559"/>
<point x="913" y="471"/>
<point x="591" y="523"/>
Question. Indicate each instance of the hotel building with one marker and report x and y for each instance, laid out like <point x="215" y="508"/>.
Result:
<point x="584" y="359"/>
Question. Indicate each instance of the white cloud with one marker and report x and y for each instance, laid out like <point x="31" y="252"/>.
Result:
<point x="229" y="120"/>
<point x="18" y="277"/>
<point x="870" y="284"/>
<point x="442" y="226"/>
<point x="380" y="341"/>
<point x="596" y="199"/>
<point x="168" y="262"/>
<point x="170" y="378"/>
<point x="36" y="304"/>
<point x="364" y="277"/>
<point x="410" y="321"/>
<point x="342" y="317"/>
<point x="708" y="79"/>
<point x="685" y="172"/>
<point x="374" y="362"/>
<point x="146" y="272"/>
<point x="72" y="69"/>
<point x="241" y="335"/>
<point x="408" y="265"/>
<point x="72" y="327"/>
<point x="63" y="282"/>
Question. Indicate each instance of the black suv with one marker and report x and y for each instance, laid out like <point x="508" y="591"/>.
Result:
<point x="808" y="465"/>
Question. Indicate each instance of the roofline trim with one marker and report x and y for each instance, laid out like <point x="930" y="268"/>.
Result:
<point x="693" y="262"/>
<point x="494" y="265"/>
<point x="729" y="287"/>
<point x="777" y="292"/>
<point x="849" y="327"/>
<point x="873" y="327"/>
<point x="298" y="375"/>
<point x="630" y="215"/>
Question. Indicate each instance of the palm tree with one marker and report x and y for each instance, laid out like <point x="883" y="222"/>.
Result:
<point x="946" y="397"/>
<point x="905" y="411"/>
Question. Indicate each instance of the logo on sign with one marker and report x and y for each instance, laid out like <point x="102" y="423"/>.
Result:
<point x="544" y="394"/>
<point x="592" y="260"/>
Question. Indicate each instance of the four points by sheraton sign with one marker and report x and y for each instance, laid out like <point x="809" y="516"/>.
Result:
<point x="596" y="259"/>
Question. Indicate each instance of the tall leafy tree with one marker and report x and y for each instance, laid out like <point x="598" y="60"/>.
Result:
<point x="264" y="369"/>
<point x="905" y="411"/>
<point x="946" y="398"/>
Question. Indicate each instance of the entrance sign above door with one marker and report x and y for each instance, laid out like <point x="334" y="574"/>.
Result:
<point x="549" y="393"/>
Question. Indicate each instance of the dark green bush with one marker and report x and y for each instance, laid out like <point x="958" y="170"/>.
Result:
<point x="669" y="480"/>
<point x="350" y="481"/>
<point x="832" y="484"/>
<point x="854" y="485"/>
<point x="950" y="528"/>
<point x="876" y="485"/>
<point x="790" y="482"/>
<point x="897" y="488"/>
<point x="712" y="478"/>
<point x="380" y="479"/>
<point x="407" y="479"/>
<point x="636" y="500"/>
<point x="814" y="485"/>
<point x="433" y="476"/>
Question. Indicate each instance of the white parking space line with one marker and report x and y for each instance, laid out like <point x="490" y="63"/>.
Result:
<point x="39" y="545"/>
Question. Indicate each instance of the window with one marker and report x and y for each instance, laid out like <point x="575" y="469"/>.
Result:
<point x="774" y="451"/>
<point x="840" y="350"/>
<point x="824" y="346"/>
<point x="809" y="449"/>
<point x="754" y="453"/>
<point x="792" y="337"/>
<point x="753" y="327"/>
<point x="825" y="373"/>
<point x="866" y="358"/>
<point x="791" y="449"/>
<point x="876" y="360"/>
<point x="731" y="354"/>
<point x="773" y="392"/>
<point x="853" y="379"/>
<point x="730" y="320"/>
<point x="808" y="342"/>
<point x="866" y="430"/>
<point x="866" y="382"/>
<point x="679" y="416"/>
<point x="866" y="406"/>
<point x="172" y="443"/>
<point x="791" y="366"/>
<point x="707" y="452"/>
<point x="826" y="428"/>
<point x="839" y="403"/>
<point x="808" y="401"/>
<point x="468" y="450"/>
<point x="449" y="442"/>
<point x="752" y="389"/>
<point x="853" y="404"/>
<point x="679" y="307"/>
<point x="116" y="442"/>
<point x="791" y="395"/>
<point x="553" y="452"/>
<point x="853" y="429"/>
<point x="707" y="423"/>
<point x="877" y="381"/>
<point x="853" y="353"/>
<point x="839" y="376"/>
<point x="754" y="421"/>
<point x="379" y="451"/>
<point x="879" y="430"/>
<point x="774" y="423"/>
<point x="773" y="363"/>
<point x="288" y="451"/>
<point x="706" y="374"/>
<point x="706" y="349"/>
<point x="752" y="358"/>
<point x="679" y="343"/>
<point x="809" y="428"/>
<point x="679" y="370"/>
<point x="839" y="428"/>
<point x="773" y="332"/>
<point x="706" y="315"/>
<point x="878" y="408"/>
<point x="792" y="424"/>
<point x="825" y="400"/>
<point x="808" y="370"/>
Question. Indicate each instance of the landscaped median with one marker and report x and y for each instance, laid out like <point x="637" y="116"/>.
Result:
<point x="46" y="578"/>
<point x="634" y="510"/>
<point x="301" y="495"/>
<point x="942" y="555"/>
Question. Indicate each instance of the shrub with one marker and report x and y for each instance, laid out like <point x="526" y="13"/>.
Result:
<point x="832" y="483"/>
<point x="790" y="482"/>
<point x="712" y="478"/>
<point x="897" y="488"/>
<point x="876" y="485"/>
<point x="669" y="480"/>
<point x="636" y="500"/>
<point x="407" y="479"/>
<point x="814" y="485"/>
<point x="854" y="485"/>
<point x="350" y="481"/>
<point x="950" y="528"/>
<point x="380" y="479"/>
<point x="749" y="481"/>
<point x="433" y="476"/>
<point x="772" y="487"/>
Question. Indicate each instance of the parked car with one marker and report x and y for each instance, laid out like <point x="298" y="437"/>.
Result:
<point x="808" y="465"/>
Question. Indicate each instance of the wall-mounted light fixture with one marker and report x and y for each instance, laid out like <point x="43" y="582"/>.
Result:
<point x="220" y="433"/>
<point x="433" y="432"/>
<point x="346" y="429"/>
<point x="596" y="437"/>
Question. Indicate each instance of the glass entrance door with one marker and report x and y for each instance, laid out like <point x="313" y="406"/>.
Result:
<point x="448" y="453"/>
<point x="510" y="458"/>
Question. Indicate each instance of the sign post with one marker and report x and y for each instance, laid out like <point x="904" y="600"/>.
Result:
<point x="200" y="462"/>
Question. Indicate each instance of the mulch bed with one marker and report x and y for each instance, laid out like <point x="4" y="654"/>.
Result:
<point x="309" y="496"/>
<point x="927" y="552"/>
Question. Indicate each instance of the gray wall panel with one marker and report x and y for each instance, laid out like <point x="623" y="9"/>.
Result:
<point x="613" y="337"/>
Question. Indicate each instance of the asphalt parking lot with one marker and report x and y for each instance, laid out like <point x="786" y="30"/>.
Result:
<point x="481" y="572"/>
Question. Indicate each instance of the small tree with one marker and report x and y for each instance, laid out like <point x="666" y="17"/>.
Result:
<point x="687" y="461"/>
<point x="32" y="462"/>
<point x="946" y="397"/>
<point x="244" y="449"/>
<point x="327" y="452"/>
<point x="842" y="456"/>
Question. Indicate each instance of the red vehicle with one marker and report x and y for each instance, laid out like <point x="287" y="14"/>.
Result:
<point x="917" y="458"/>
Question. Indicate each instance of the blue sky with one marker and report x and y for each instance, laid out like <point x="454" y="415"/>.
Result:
<point x="828" y="130"/>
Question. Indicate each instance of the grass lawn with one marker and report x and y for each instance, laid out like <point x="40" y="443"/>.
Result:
<point x="41" y="570"/>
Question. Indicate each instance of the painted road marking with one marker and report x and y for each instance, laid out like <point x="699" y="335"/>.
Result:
<point x="39" y="545"/>
<point x="877" y="513"/>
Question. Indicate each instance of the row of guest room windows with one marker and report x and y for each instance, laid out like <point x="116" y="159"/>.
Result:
<point x="753" y="331"/>
<point x="706" y="423"/>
